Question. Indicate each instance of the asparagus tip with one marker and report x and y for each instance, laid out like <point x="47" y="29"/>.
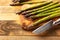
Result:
<point x="15" y="4"/>
<point x="26" y="16"/>
<point x="24" y="13"/>
<point x="12" y="5"/>
<point x="26" y="28"/>
<point x="19" y="13"/>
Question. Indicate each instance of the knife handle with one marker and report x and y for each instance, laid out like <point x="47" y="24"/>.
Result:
<point x="57" y="22"/>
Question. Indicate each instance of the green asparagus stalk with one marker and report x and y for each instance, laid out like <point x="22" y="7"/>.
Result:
<point x="46" y="13"/>
<point x="17" y="4"/>
<point x="47" y="18"/>
<point x="39" y="11"/>
<point x="29" y="2"/>
<point x="40" y="8"/>
<point x="34" y="25"/>
<point x="34" y="7"/>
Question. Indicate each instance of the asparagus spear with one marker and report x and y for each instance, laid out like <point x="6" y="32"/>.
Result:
<point x="20" y="1"/>
<point x="34" y="25"/>
<point x="36" y="6"/>
<point x="49" y="12"/>
<point x="29" y="2"/>
<point x="40" y="8"/>
<point x="17" y="4"/>
<point x="39" y="11"/>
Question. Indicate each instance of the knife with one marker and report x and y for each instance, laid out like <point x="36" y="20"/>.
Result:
<point x="46" y="26"/>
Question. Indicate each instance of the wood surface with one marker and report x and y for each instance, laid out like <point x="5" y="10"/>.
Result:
<point x="8" y="12"/>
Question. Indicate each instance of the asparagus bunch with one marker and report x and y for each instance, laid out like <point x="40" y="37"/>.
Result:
<point x="40" y="8"/>
<point x="34" y="25"/>
<point x="34" y="7"/>
<point x="46" y="13"/>
<point x="48" y="9"/>
<point x="39" y="11"/>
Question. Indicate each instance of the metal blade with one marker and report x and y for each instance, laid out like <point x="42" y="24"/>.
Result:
<point x="44" y="27"/>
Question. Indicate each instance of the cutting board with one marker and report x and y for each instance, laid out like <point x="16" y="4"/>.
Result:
<point x="9" y="13"/>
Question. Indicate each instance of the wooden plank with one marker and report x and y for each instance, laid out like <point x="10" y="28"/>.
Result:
<point x="5" y="2"/>
<point x="7" y="12"/>
<point x="9" y="9"/>
<point x="28" y="38"/>
<point x="10" y="27"/>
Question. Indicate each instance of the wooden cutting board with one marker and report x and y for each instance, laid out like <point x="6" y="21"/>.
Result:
<point x="9" y="13"/>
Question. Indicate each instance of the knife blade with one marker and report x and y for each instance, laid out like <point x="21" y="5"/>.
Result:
<point x="46" y="26"/>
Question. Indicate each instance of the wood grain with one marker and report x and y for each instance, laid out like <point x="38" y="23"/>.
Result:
<point x="28" y="38"/>
<point x="8" y="13"/>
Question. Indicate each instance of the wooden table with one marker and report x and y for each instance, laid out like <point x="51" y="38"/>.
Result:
<point x="9" y="13"/>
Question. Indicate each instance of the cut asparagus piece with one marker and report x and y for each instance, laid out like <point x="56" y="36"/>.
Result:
<point x="34" y="7"/>
<point x="55" y="10"/>
<point x="39" y="11"/>
<point x="34" y="25"/>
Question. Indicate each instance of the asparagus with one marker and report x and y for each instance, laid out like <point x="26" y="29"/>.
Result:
<point x="20" y="1"/>
<point x="39" y="11"/>
<point x="40" y="8"/>
<point x="46" y="13"/>
<point x="29" y="2"/>
<point x="17" y="4"/>
<point x="34" y="25"/>
<point x="34" y="7"/>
